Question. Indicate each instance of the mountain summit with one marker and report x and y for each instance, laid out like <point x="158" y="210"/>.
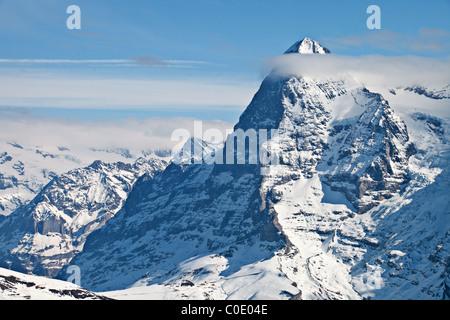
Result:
<point x="307" y="46"/>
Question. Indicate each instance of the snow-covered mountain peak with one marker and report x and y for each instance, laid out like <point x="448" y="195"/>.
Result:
<point x="307" y="46"/>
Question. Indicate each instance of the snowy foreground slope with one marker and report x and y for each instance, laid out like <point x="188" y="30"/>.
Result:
<point x="354" y="204"/>
<point x="18" y="286"/>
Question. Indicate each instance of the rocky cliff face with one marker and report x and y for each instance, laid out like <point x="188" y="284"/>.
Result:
<point x="368" y="157"/>
<point x="183" y="213"/>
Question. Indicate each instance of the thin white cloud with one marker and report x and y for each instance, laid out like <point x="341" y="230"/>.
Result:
<point x="49" y="89"/>
<point x="63" y="61"/>
<point x="434" y="32"/>
<point x="138" y="61"/>
<point x="136" y="135"/>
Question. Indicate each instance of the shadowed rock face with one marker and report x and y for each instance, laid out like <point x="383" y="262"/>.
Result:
<point x="185" y="212"/>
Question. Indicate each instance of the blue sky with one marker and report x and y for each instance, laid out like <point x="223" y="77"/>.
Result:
<point x="201" y="58"/>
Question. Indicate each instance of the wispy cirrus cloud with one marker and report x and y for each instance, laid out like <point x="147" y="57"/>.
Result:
<point x="62" y="61"/>
<point x="44" y="88"/>
<point x="146" y="60"/>
<point x="150" y="61"/>
<point x="434" y="32"/>
<point x="28" y="129"/>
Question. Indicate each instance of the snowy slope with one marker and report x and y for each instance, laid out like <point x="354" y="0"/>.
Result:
<point x="18" y="286"/>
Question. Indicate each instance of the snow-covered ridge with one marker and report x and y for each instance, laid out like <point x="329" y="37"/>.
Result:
<point x="442" y="93"/>
<point x="25" y="169"/>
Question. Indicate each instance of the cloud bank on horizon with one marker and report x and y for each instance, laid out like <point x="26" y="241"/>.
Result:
<point x="30" y="130"/>
<point x="376" y="70"/>
<point x="44" y="88"/>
